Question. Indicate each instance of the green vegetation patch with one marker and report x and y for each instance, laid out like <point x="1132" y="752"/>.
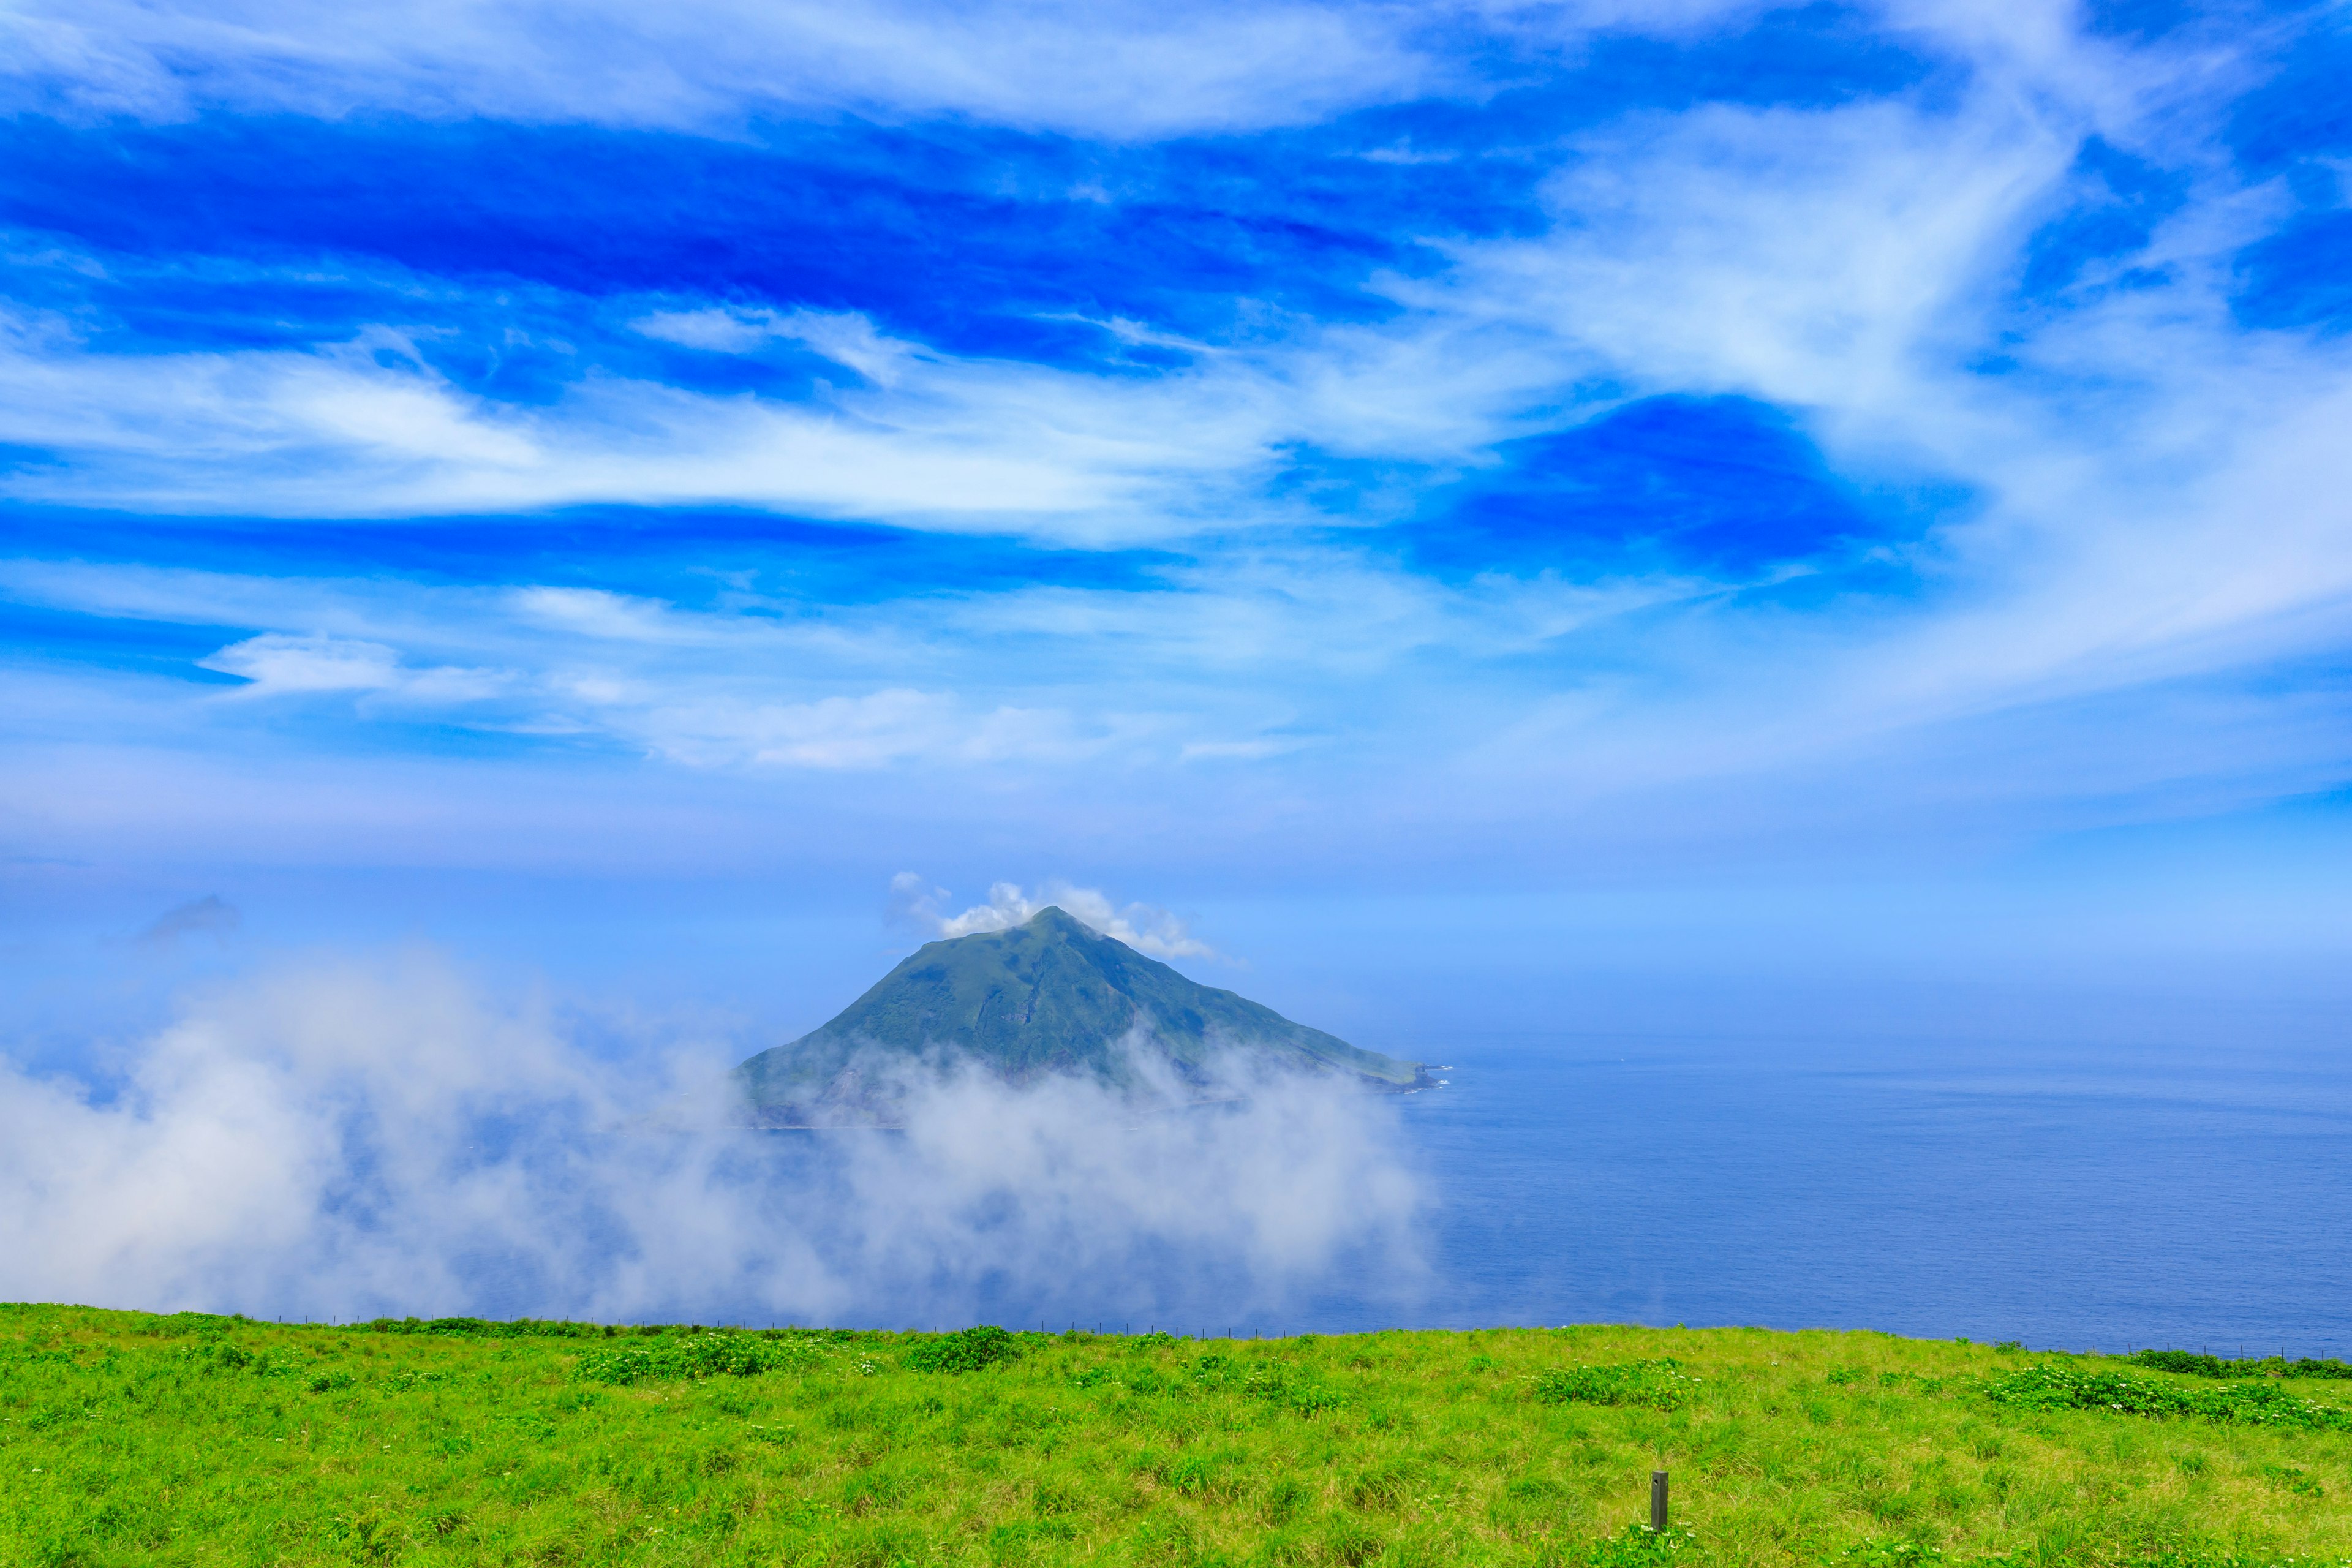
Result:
<point x="130" y="1438"/>
<point x="696" y="1355"/>
<point x="1640" y="1545"/>
<point x="966" y="1349"/>
<point x="1660" y="1385"/>
<point x="2202" y="1365"/>
<point x="488" y="1327"/>
<point x="2049" y="1386"/>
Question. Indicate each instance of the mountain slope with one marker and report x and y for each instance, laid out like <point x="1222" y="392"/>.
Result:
<point x="1051" y="997"/>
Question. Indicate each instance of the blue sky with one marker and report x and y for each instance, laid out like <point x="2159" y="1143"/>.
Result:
<point x="1692" y="482"/>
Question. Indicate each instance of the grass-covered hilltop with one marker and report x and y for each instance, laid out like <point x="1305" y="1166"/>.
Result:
<point x="1052" y="997"/>
<point x="130" y="1438"/>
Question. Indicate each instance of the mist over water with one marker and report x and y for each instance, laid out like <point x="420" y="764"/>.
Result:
<point x="386" y="1136"/>
<point x="383" y="1138"/>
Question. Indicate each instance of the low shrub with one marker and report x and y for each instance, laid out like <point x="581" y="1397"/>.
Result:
<point x="1277" y="1384"/>
<point x="485" y="1328"/>
<point x="1660" y="1385"/>
<point x="2195" y="1365"/>
<point x="966" y="1349"/>
<point x="2049" y="1386"/>
<point x="698" y="1356"/>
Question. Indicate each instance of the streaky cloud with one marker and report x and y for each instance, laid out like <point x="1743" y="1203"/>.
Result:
<point x="1116" y="69"/>
<point x="1486" y="460"/>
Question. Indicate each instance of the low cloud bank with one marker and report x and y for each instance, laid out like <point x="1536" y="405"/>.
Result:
<point x="1146" y="927"/>
<point x="382" y="1137"/>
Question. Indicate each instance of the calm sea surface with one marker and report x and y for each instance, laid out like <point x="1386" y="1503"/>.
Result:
<point x="2075" y="1199"/>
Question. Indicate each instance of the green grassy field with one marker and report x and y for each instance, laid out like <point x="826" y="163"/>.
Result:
<point x="132" y="1438"/>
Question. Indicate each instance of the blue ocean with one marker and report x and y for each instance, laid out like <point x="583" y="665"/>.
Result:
<point x="2077" y="1197"/>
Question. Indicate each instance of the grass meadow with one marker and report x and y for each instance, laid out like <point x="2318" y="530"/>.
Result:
<point x="132" y="1438"/>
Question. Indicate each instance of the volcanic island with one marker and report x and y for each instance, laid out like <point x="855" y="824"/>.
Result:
<point x="1050" y="998"/>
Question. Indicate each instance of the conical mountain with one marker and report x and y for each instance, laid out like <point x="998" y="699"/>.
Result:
<point x="1050" y="997"/>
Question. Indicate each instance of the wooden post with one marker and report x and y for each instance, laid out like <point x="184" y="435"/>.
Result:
<point x="1658" y="1501"/>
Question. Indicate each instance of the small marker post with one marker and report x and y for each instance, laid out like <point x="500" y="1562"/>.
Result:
<point x="1658" y="1501"/>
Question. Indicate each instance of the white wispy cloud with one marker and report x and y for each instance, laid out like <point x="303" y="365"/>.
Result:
<point x="366" y="426"/>
<point x="877" y="730"/>
<point x="844" y="337"/>
<point x="324" y="433"/>
<point x="280" y="665"/>
<point x="2153" y="486"/>
<point x="1119" y="69"/>
<point x="853" y="686"/>
<point x="1146" y="927"/>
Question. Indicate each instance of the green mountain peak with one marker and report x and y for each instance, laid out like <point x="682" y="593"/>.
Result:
<point x="1052" y="997"/>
